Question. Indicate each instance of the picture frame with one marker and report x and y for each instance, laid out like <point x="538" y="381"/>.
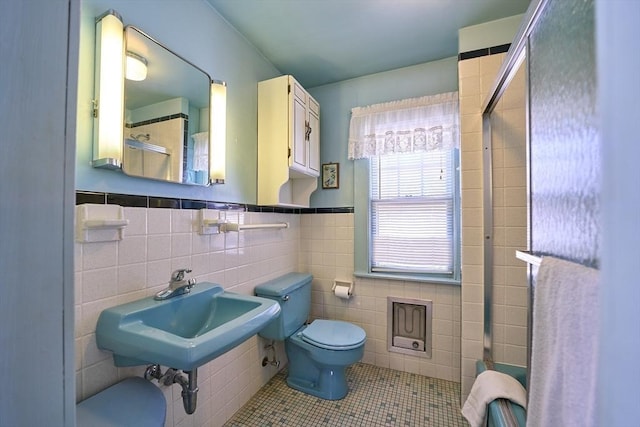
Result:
<point x="330" y="176"/>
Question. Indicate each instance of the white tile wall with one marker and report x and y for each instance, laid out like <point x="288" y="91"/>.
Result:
<point x="509" y="216"/>
<point x="326" y="251"/>
<point x="156" y="242"/>
<point x="510" y="229"/>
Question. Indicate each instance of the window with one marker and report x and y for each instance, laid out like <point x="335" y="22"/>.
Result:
<point x="407" y="222"/>
<point x="412" y="202"/>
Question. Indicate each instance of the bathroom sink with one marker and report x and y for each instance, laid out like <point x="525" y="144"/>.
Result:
<point x="183" y="332"/>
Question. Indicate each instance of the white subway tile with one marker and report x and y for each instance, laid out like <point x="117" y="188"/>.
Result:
<point x="516" y="316"/>
<point x="99" y="255"/>
<point x="469" y="68"/>
<point x="472" y="330"/>
<point x="137" y="221"/>
<point x="158" y="247"/>
<point x="99" y="284"/>
<point x="471" y="142"/>
<point x="158" y="221"/>
<point x="158" y="273"/>
<point x="180" y="244"/>
<point x="182" y="220"/>
<point x="132" y="249"/>
<point x="132" y="277"/>
<point x="90" y="352"/>
<point x="472" y="312"/>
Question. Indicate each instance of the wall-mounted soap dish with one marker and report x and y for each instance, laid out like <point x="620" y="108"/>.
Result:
<point x="100" y="223"/>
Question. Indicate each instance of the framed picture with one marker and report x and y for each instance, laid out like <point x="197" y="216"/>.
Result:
<point x="330" y="175"/>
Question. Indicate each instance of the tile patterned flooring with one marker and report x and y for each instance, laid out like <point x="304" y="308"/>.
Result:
<point x="377" y="397"/>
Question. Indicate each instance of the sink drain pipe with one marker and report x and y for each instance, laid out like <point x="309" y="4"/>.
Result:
<point x="171" y="376"/>
<point x="273" y="362"/>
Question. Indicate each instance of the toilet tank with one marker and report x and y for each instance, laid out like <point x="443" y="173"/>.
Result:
<point x="293" y="293"/>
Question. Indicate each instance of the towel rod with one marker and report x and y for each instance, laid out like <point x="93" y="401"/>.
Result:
<point x="146" y="146"/>
<point x="229" y="226"/>
<point x="529" y="258"/>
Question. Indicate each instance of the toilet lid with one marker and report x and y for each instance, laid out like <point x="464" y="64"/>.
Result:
<point x="334" y="335"/>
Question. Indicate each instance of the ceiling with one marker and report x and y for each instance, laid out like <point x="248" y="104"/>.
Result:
<point x="324" y="41"/>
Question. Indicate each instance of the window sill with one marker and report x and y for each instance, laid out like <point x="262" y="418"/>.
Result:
<point x="408" y="277"/>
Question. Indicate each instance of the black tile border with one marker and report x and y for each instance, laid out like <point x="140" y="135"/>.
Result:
<point x="128" y="200"/>
<point x="499" y="49"/>
<point x="137" y="201"/>
<point x="484" y="52"/>
<point x="83" y="197"/>
<point x="157" y="120"/>
<point x="163" y="202"/>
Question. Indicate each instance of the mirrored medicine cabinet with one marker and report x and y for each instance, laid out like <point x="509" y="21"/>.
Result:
<point x="168" y="119"/>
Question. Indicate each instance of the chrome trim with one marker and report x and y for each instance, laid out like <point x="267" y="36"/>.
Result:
<point x="107" y="163"/>
<point x="515" y="56"/>
<point x="487" y="233"/>
<point x="109" y="12"/>
<point x="529" y="258"/>
<point x="145" y="146"/>
<point x="167" y="49"/>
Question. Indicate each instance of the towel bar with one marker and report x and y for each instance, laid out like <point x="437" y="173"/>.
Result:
<point x="230" y="226"/>
<point x="529" y="258"/>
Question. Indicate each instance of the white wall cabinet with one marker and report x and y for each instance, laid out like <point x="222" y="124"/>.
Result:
<point x="288" y="143"/>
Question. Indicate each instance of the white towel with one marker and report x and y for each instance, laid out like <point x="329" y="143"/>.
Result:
<point x="200" y="151"/>
<point x="562" y="389"/>
<point x="487" y="387"/>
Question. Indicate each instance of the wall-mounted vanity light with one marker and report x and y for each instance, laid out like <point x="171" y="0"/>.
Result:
<point x="135" y="67"/>
<point x="218" y="132"/>
<point x="108" y="111"/>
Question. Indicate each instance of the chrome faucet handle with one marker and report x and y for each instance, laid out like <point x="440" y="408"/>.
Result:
<point x="178" y="275"/>
<point x="177" y="285"/>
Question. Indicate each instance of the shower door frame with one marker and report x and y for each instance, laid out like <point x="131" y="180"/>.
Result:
<point x="516" y="55"/>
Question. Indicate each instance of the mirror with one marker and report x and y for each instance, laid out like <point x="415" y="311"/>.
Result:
<point x="166" y="114"/>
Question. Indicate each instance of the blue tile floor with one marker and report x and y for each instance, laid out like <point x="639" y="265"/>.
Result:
<point x="377" y="397"/>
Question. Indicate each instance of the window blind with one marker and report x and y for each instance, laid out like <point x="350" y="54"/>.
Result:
<point x="412" y="201"/>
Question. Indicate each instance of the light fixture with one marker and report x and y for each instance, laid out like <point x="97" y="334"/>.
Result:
<point x="218" y="132"/>
<point x="108" y="108"/>
<point x="136" y="67"/>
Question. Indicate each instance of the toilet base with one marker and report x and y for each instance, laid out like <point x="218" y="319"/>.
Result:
<point x="310" y="373"/>
<point x="332" y="384"/>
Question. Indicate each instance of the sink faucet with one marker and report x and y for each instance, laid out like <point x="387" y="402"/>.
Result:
<point x="177" y="285"/>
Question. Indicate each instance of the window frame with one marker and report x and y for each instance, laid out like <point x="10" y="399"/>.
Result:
<point x="362" y="230"/>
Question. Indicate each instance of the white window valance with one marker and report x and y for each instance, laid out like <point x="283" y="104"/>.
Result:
<point x="410" y="125"/>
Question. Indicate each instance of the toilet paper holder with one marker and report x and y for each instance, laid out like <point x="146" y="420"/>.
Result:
<point x="343" y="283"/>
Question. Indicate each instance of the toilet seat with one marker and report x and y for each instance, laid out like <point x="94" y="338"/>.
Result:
<point x="333" y="335"/>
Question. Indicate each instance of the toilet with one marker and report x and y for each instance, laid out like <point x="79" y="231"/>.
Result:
<point x="318" y="353"/>
<point x="133" y="402"/>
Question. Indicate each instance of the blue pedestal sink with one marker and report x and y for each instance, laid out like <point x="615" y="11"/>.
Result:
<point x="183" y="332"/>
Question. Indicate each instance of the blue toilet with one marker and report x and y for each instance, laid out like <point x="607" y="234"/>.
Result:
<point x="133" y="402"/>
<point x="318" y="353"/>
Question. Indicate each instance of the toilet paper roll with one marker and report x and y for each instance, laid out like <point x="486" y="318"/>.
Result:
<point x="342" y="292"/>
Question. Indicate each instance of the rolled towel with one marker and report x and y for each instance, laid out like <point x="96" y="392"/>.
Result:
<point x="487" y="387"/>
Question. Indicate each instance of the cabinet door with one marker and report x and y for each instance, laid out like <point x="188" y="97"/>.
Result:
<point x="314" y="137"/>
<point x="299" y="161"/>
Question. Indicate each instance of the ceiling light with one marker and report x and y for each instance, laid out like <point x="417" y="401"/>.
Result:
<point x="136" y="67"/>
